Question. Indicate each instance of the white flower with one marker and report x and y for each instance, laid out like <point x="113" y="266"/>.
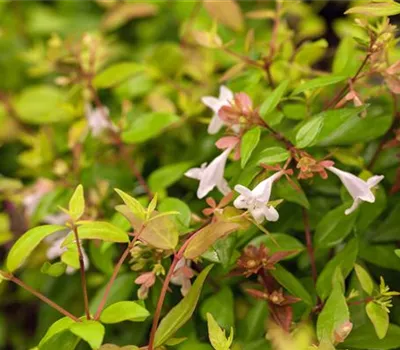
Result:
<point x="32" y="200"/>
<point x="98" y="120"/>
<point x="211" y="175"/>
<point x="225" y="95"/>
<point x="256" y="201"/>
<point x="182" y="275"/>
<point x="359" y="189"/>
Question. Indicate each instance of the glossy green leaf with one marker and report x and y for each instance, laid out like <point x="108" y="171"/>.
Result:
<point x="124" y="311"/>
<point x="148" y="126"/>
<point x="24" y="246"/>
<point x="387" y="257"/>
<point x="364" y="337"/>
<point x="308" y="133"/>
<point x="59" y="326"/>
<point x="206" y="237"/>
<point x="271" y="155"/>
<point x="291" y="283"/>
<point x="182" y="312"/>
<point x="334" y="227"/>
<point x="222" y="306"/>
<point x="175" y="204"/>
<point x="273" y="99"/>
<point x="279" y="242"/>
<point x="379" y="318"/>
<point x="77" y="204"/>
<point x="165" y="176"/>
<point x="248" y="144"/>
<point x="364" y="278"/>
<point x="54" y="270"/>
<point x="292" y="192"/>
<point x="344" y="260"/>
<point x="334" y="314"/>
<point x="116" y="74"/>
<point x="101" y="230"/>
<point x="90" y="331"/>
<point x="318" y="83"/>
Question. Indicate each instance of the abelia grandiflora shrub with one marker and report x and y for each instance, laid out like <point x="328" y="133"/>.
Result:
<point x="276" y="222"/>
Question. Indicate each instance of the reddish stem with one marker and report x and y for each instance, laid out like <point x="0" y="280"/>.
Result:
<point x="310" y="248"/>
<point x="82" y="270"/>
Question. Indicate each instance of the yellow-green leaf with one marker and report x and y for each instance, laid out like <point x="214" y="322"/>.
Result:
<point x="217" y="336"/>
<point x="227" y="12"/>
<point x="124" y="311"/>
<point x="379" y="318"/>
<point x="27" y="243"/>
<point x="132" y="203"/>
<point x="90" y="331"/>
<point x="364" y="278"/>
<point x="249" y="142"/>
<point x="161" y="232"/>
<point x="77" y="204"/>
<point x="116" y="74"/>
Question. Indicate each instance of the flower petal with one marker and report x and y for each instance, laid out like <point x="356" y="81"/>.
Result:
<point x="194" y="173"/>
<point x="271" y="214"/>
<point x="353" y="207"/>
<point x="212" y="102"/>
<point x="225" y="95"/>
<point x="215" y="125"/>
<point x="374" y="180"/>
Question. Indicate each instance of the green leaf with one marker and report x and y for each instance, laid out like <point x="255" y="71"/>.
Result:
<point x="318" y="83"/>
<point x="24" y="246"/>
<point x="271" y="155"/>
<point x="334" y="227"/>
<point x="379" y="318"/>
<point x="116" y="74"/>
<point x="77" y="204"/>
<point x="90" y="331"/>
<point x="364" y="337"/>
<point x="161" y="232"/>
<point x="344" y="260"/>
<point x="221" y="305"/>
<point x="364" y="278"/>
<point x="308" y="133"/>
<point x="279" y="242"/>
<point x="165" y="176"/>
<point x="124" y="311"/>
<point x="54" y="270"/>
<point x="182" y="312"/>
<point x="376" y="9"/>
<point x="175" y="204"/>
<point x="133" y="204"/>
<point x="98" y="230"/>
<point x="342" y="62"/>
<point x="217" y="336"/>
<point x="249" y="143"/>
<point x="59" y="326"/>
<point x="148" y="126"/>
<point x="284" y="189"/>
<point x="334" y="314"/>
<point x="273" y="99"/>
<point x="291" y="283"/>
<point x="61" y="341"/>
<point x="387" y="257"/>
<point x="206" y="237"/>
<point x="43" y="105"/>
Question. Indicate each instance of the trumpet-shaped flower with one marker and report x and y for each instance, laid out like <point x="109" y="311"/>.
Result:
<point x="225" y="96"/>
<point x="256" y="200"/>
<point x="98" y="120"/>
<point x="359" y="189"/>
<point x="211" y="175"/>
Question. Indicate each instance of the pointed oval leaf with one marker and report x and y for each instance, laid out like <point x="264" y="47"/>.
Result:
<point x="318" y="83"/>
<point x="271" y="155"/>
<point x="77" y="204"/>
<point x="160" y="232"/>
<point x="207" y="236"/>
<point x="364" y="278"/>
<point x="27" y="243"/>
<point x="133" y="204"/>
<point x="379" y="318"/>
<point x="124" y="311"/>
<point x="57" y="327"/>
<point x="116" y="74"/>
<point x="273" y="99"/>
<point x="182" y="312"/>
<point x="308" y="133"/>
<point x="98" y="230"/>
<point x="90" y="331"/>
<point x="248" y="144"/>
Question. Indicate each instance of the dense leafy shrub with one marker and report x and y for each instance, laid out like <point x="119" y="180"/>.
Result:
<point x="199" y="175"/>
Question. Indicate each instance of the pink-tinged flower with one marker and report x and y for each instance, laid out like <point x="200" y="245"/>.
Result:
<point x="98" y="120"/>
<point x="146" y="280"/>
<point x="225" y="96"/>
<point x="182" y="275"/>
<point x="359" y="189"/>
<point x="256" y="200"/>
<point x="211" y="175"/>
<point x="230" y="142"/>
<point x="32" y="200"/>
